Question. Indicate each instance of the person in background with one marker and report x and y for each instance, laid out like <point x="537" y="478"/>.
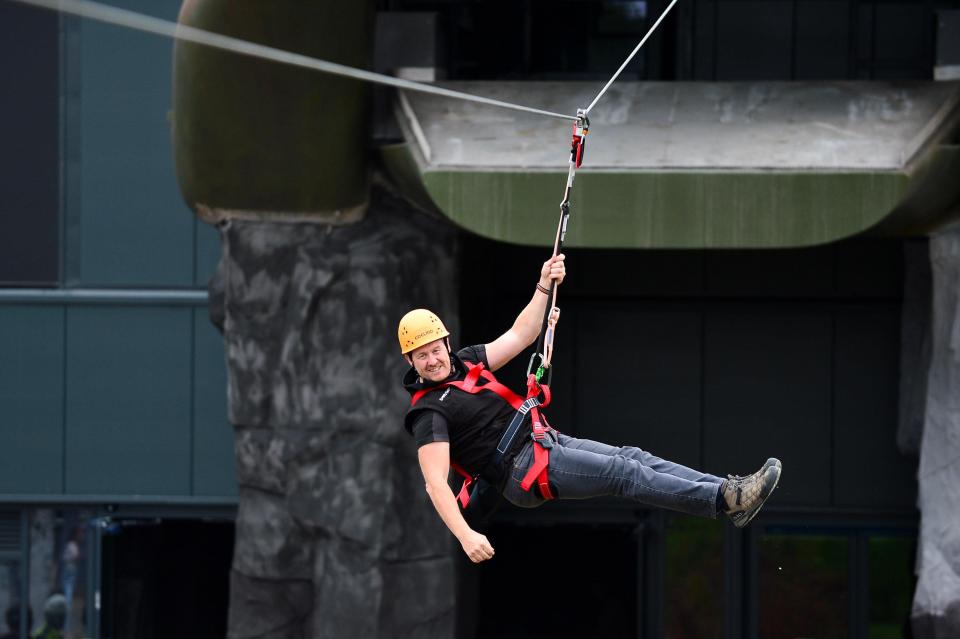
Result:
<point x="54" y="618"/>
<point x="12" y="617"/>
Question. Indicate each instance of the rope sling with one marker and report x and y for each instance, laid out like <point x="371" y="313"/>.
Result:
<point x="538" y="388"/>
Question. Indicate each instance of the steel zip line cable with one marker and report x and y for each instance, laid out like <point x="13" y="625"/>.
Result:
<point x="630" y="57"/>
<point x="149" y="24"/>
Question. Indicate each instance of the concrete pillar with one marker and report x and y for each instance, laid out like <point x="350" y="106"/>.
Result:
<point x="936" y="604"/>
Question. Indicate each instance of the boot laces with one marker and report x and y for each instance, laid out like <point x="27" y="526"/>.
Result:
<point x="742" y="484"/>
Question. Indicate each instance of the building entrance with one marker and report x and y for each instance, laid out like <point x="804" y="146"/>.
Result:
<point x="165" y="578"/>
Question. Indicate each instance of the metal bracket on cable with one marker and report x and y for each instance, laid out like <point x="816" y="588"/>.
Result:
<point x="581" y="128"/>
<point x="579" y="143"/>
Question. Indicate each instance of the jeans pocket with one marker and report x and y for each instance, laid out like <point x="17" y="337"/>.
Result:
<point x="517" y="496"/>
<point x="522" y="460"/>
<point x="512" y="491"/>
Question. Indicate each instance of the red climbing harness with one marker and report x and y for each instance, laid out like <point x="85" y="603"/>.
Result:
<point x="538" y="424"/>
<point x="541" y="443"/>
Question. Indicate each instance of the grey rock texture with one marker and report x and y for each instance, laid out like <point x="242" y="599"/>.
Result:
<point x="936" y="603"/>
<point x="335" y="534"/>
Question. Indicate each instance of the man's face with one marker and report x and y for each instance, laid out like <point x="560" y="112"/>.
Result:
<point x="432" y="361"/>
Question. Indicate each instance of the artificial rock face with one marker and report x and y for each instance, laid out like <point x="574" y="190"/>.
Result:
<point x="936" y="603"/>
<point x="335" y="534"/>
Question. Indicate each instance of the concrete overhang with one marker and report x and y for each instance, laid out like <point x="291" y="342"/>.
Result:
<point x="689" y="165"/>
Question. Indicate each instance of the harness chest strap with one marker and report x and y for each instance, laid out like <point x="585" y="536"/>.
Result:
<point x="539" y="426"/>
<point x="469" y="385"/>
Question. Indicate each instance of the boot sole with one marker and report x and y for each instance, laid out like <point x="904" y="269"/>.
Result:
<point x="765" y="492"/>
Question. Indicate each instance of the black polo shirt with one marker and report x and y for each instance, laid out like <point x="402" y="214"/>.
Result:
<point x="472" y="422"/>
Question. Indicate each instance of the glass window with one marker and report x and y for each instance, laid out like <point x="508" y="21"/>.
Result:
<point x="11" y="574"/>
<point x="891" y="585"/>
<point x="693" y="579"/>
<point x="30" y="180"/>
<point x="165" y="578"/>
<point x="803" y="587"/>
<point x="59" y="548"/>
<point x="10" y="596"/>
<point x="590" y="567"/>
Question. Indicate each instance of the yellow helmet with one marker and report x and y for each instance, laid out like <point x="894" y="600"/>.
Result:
<point x="419" y="327"/>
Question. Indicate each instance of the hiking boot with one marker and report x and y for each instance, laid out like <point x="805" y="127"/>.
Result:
<point x="745" y="495"/>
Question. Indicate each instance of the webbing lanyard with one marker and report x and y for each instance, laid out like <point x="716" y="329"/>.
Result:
<point x="541" y="358"/>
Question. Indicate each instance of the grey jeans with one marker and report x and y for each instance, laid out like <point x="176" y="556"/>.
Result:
<point x="581" y="468"/>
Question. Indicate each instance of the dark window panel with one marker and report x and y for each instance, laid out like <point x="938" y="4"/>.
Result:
<point x="870" y="268"/>
<point x="804" y="588"/>
<point x="822" y="40"/>
<point x="166" y="578"/>
<point x="704" y="40"/>
<point x="693" y="578"/>
<point x="754" y="40"/>
<point x="659" y="273"/>
<point x="865" y="391"/>
<point x="806" y="272"/>
<point x="663" y="346"/>
<point x="948" y="37"/>
<point x="29" y="178"/>
<point x="490" y="44"/>
<point x="767" y="394"/>
<point x="903" y="32"/>
<point x="602" y="580"/>
<point x="865" y="42"/>
<point x="892" y="582"/>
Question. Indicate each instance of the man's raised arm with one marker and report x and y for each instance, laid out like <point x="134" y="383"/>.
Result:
<point x="526" y="327"/>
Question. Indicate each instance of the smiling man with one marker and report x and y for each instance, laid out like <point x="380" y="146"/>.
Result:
<point x="453" y="420"/>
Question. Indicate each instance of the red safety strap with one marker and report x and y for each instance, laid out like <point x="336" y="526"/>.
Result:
<point x="541" y="455"/>
<point x="464" y="495"/>
<point x="469" y="385"/>
<point x="538" y="424"/>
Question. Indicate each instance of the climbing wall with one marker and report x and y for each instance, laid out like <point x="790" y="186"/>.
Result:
<point x="936" y="603"/>
<point x="335" y="534"/>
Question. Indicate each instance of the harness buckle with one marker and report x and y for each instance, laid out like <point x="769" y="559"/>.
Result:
<point x="538" y="429"/>
<point x="540" y="436"/>
<point x="543" y="440"/>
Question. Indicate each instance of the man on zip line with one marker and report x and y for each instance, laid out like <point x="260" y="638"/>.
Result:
<point x="461" y="416"/>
